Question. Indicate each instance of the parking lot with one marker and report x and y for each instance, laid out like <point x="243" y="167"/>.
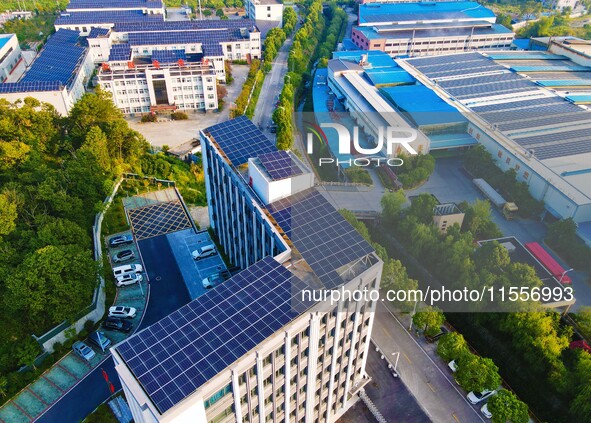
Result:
<point x="183" y="243"/>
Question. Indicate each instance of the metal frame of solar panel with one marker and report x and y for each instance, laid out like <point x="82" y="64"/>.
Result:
<point x="319" y="232"/>
<point x="279" y="165"/>
<point x="240" y="140"/>
<point x="178" y="354"/>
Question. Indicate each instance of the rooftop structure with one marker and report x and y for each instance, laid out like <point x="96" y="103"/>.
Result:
<point x="206" y="359"/>
<point x="58" y="74"/>
<point x="447" y="215"/>
<point x="264" y="10"/>
<point x="428" y="28"/>
<point x="525" y="126"/>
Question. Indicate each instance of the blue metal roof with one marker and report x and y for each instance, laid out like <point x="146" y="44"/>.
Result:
<point x="396" y="12"/>
<point x="391" y="77"/>
<point x="376" y="58"/>
<point x="58" y="60"/>
<point x="4" y="39"/>
<point x="444" y="141"/>
<point x="524" y="55"/>
<point x="106" y="17"/>
<point x="579" y="98"/>
<point x="564" y="82"/>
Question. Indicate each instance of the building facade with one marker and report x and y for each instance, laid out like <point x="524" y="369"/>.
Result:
<point x="10" y="55"/>
<point x="299" y="359"/>
<point x="428" y="29"/>
<point x="264" y="10"/>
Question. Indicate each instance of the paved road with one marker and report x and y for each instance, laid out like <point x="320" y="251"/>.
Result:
<point x="272" y="88"/>
<point x="427" y="379"/>
<point x="167" y="293"/>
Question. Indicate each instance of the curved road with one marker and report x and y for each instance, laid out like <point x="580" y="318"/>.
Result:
<point x="167" y="293"/>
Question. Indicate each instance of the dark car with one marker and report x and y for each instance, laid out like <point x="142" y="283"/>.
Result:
<point x="442" y="331"/>
<point x="120" y="325"/>
<point x="120" y="240"/>
<point x="123" y="256"/>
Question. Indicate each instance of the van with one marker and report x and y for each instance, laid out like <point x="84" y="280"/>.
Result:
<point x="205" y="251"/>
<point x="100" y="340"/>
<point x="128" y="268"/>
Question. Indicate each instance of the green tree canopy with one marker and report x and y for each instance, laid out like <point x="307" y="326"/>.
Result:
<point x="452" y="346"/>
<point x="505" y="407"/>
<point x="429" y="319"/>
<point x="477" y="373"/>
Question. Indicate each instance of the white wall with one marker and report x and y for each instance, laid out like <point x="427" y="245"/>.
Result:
<point x="11" y="60"/>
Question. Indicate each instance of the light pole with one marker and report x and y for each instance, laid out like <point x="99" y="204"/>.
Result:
<point x="564" y="273"/>
<point x="397" y="354"/>
<point x="413" y="313"/>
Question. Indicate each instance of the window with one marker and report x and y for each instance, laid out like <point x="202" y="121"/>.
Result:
<point x="215" y="397"/>
<point x="500" y="154"/>
<point x="508" y="160"/>
<point x="525" y="175"/>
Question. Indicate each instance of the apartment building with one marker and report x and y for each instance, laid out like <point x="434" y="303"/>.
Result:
<point x="257" y="348"/>
<point x="264" y="10"/>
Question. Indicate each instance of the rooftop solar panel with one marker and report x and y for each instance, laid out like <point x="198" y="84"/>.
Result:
<point x="319" y="232"/>
<point x="121" y="4"/>
<point x="203" y="25"/>
<point x="98" y="32"/>
<point x="175" y="356"/>
<point x="279" y="165"/>
<point x="31" y="86"/>
<point x="168" y="56"/>
<point x="240" y="140"/>
<point x="106" y="17"/>
<point x="120" y="52"/>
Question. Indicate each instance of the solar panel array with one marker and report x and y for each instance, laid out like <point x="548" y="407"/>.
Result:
<point x="34" y="86"/>
<point x="240" y="140"/>
<point x="120" y="52"/>
<point x="97" y="32"/>
<point x="178" y="354"/>
<point x="212" y="50"/>
<point x="323" y="237"/>
<point x="180" y="37"/>
<point x="550" y="126"/>
<point x="58" y="60"/>
<point x="168" y="56"/>
<point x="121" y="4"/>
<point x="205" y="24"/>
<point x="106" y="17"/>
<point x="279" y="165"/>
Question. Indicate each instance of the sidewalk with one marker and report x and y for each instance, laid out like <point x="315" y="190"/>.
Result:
<point x="424" y="374"/>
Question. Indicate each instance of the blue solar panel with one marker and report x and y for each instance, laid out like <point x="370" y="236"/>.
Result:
<point x="106" y="17"/>
<point x="213" y="50"/>
<point x="120" y="52"/>
<point x="98" y="32"/>
<point x="168" y="56"/>
<point x="121" y="4"/>
<point x="279" y="165"/>
<point x="240" y="140"/>
<point x="210" y="38"/>
<point x="32" y="86"/>
<point x="205" y="24"/>
<point x="175" y="356"/>
<point x="322" y="236"/>
<point x="58" y="60"/>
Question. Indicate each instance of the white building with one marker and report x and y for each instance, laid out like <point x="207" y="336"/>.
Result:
<point x="428" y="28"/>
<point x="10" y="55"/>
<point x="254" y="349"/>
<point x="264" y="10"/>
<point x="58" y="76"/>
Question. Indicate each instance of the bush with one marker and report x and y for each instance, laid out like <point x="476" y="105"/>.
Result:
<point x="358" y="175"/>
<point x="562" y="236"/>
<point x="415" y="170"/>
<point x="179" y="116"/>
<point x="149" y="118"/>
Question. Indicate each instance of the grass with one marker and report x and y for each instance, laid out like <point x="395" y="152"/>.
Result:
<point x="102" y="414"/>
<point x="114" y="220"/>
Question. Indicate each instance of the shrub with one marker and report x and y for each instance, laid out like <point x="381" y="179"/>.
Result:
<point x="179" y="116"/>
<point x="149" y="118"/>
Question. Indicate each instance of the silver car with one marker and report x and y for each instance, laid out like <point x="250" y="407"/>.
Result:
<point x="83" y="350"/>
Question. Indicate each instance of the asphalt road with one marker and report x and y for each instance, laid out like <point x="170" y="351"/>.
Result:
<point x="167" y="293"/>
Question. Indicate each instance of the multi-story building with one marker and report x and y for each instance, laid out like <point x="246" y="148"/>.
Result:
<point x="257" y="347"/>
<point x="264" y="10"/>
<point x="58" y="76"/>
<point x="10" y="55"/>
<point x="428" y="28"/>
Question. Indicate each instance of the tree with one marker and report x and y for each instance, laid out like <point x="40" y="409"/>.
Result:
<point x="429" y="319"/>
<point x="3" y="386"/>
<point x="478" y="221"/>
<point x="8" y="214"/>
<point x="219" y="12"/>
<point x="452" y="346"/>
<point x="492" y="257"/>
<point x="583" y="318"/>
<point x="506" y="407"/>
<point x="395" y="278"/>
<point x="422" y="207"/>
<point x="27" y="353"/>
<point x="96" y="145"/>
<point x="392" y="203"/>
<point x="477" y="373"/>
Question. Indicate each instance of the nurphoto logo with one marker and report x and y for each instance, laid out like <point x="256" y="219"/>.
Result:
<point x="394" y="139"/>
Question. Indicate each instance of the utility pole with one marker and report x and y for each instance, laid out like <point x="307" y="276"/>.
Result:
<point x="199" y="5"/>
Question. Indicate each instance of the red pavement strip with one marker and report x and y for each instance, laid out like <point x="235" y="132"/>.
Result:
<point x="53" y="384"/>
<point x="23" y="411"/>
<point x="37" y="396"/>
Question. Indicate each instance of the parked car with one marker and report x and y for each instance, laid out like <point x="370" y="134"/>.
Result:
<point x="212" y="280"/>
<point x="205" y="251"/>
<point x="485" y="412"/>
<point x="118" y="240"/>
<point x="442" y="331"/>
<point x="124" y="255"/>
<point x="476" y="397"/>
<point x="83" y="350"/>
<point x="453" y="366"/>
<point x="128" y="279"/>
<point x="120" y="325"/>
<point x="127" y="268"/>
<point x="100" y="340"/>
<point x="122" y="312"/>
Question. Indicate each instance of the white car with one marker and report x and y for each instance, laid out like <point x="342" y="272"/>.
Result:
<point x="127" y="268"/>
<point x="453" y="366"/>
<point x="485" y="412"/>
<point x="122" y="312"/>
<point x="476" y="397"/>
<point x="128" y="279"/>
<point x="83" y="350"/>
